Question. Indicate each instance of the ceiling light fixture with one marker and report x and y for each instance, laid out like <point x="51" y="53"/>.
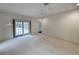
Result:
<point x="46" y="4"/>
<point x="46" y="9"/>
<point x="77" y="4"/>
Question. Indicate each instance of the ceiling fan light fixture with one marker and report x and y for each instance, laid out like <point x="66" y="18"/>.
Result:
<point x="77" y="4"/>
<point x="46" y="4"/>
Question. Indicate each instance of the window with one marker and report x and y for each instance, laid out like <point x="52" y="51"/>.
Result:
<point x="21" y="27"/>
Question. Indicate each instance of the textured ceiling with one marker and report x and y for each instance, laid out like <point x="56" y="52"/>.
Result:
<point x="36" y="9"/>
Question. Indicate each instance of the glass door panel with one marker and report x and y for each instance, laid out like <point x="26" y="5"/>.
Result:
<point x="26" y="27"/>
<point x="18" y="28"/>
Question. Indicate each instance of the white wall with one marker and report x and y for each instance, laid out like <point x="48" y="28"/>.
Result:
<point x="63" y="25"/>
<point x="6" y="29"/>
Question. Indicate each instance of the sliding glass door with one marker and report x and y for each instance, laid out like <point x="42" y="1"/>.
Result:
<point x="21" y="27"/>
<point x="26" y="27"/>
<point x="18" y="28"/>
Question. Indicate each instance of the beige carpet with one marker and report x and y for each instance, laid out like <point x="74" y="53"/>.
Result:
<point x="37" y="45"/>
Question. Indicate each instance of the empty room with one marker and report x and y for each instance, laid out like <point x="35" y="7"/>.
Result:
<point x="39" y="29"/>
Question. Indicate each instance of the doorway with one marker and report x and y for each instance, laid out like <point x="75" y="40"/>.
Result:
<point x="21" y="27"/>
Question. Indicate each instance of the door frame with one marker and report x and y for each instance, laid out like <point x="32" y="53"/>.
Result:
<point x="22" y="25"/>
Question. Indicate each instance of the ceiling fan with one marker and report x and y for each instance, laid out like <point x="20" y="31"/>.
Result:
<point x="46" y="4"/>
<point x="46" y="8"/>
